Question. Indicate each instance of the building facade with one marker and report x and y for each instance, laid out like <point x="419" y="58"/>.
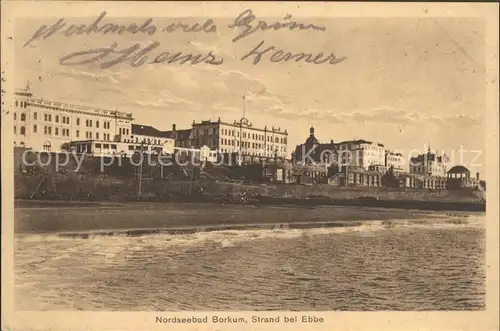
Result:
<point x="313" y="152"/>
<point x="429" y="164"/>
<point x="361" y="153"/>
<point x="354" y="153"/>
<point x="236" y="137"/>
<point x="459" y="177"/>
<point x="44" y="125"/>
<point x="394" y="160"/>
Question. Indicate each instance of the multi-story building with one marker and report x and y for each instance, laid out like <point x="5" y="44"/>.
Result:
<point x="312" y="152"/>
<point x="44" y="125"/>
<point x="236" y="137"/>
<point x="183" y="138"/>
<point x="429" y="164"/>
<point x="148" y="135"/>
<point x="361" y="153"/>
<point x="394" y="160"/>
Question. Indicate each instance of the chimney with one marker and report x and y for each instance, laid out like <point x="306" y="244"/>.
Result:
<point x="173" y="127"/>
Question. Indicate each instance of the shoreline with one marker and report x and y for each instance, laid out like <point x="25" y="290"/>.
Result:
<point x="271" y="201"/>
<point x="140" y="218"/>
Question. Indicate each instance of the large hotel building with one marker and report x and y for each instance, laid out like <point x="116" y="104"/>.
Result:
<point x="236" y="137"/>
<point x="44" y="125"/>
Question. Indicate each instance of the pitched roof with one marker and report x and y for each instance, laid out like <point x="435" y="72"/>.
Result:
<point x="146" y="130"/>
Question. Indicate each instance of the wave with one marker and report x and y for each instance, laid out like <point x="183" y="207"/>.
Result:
<point x="227" y="237"/>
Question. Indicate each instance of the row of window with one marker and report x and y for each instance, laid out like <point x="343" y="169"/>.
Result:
<point x="364" y="179"/>
<point x="48" y="118"/>
<point x="89" y="135"/>
<point x="246" y="144"/>
<point x="229" y="150"/>
<point x="124" y="131"/>
<point x="22" y="130"/>
<point x="22" y="117"/>
<point x="105" y="146"/>
<point x="65" y="120"/>
<point x="21" y="104"/>
<point x="364" y="147"/>
<point x="151" y="141"/>
<point x="254" y="136"/>
<point x="88" y="123"/>
<point x="47" y="130"/>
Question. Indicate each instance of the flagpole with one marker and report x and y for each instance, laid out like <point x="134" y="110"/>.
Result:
<point x="244" y="105"/>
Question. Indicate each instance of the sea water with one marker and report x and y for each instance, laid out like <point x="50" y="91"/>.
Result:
<point x="374" y="265"/>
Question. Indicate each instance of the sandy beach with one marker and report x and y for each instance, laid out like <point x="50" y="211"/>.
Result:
<point x="140" y="218"/>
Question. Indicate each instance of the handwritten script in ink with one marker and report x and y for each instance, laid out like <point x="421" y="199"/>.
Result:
<point x="245" y="25"/>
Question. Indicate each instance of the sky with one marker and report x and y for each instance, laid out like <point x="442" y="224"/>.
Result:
<point x="405" y="82"/>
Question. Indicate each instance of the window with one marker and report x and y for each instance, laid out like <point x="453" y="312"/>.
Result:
<point x="77" y="133"/>
<point x="67" y="120"/>
<point x="34" y="128"/>
<point x="45" y="130"/>
<point x="57" y="118"/>
<point x="97" y="124"/>
<point x="17" y="103"/>
<point x="35" y="116"/>
<point x="46" y="146"/>
<point x="97" y="135"/>
<point x="15" y="130"/>
<point x="113" y="146"/>
<point x="50" y="129"/>
<point x="56" y="131"/>
<point x="78" y="121"/>
<point x="50" y="117"/>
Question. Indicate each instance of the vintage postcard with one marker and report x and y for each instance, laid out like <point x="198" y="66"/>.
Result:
<point x="242" y="165"/>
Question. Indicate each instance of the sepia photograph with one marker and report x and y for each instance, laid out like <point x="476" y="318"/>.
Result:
<point x="257" y="161"/>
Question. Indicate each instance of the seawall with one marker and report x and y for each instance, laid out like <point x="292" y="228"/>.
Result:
<point x="102" y="188"/>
